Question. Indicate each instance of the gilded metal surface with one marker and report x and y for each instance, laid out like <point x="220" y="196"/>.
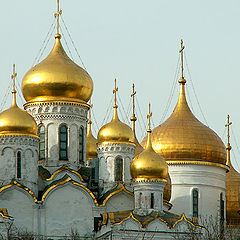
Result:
<point x="15" y="120"/>
<point x="233" y="197"/>
<point x="182" y="137"/>
<point x="148" y="165"/>
<point x="15" y="183"/>
<point x="57" y="78"/>
<point x="91" y="140"/>
<point x="115" y="132"/>
<point x="167" y="193"/>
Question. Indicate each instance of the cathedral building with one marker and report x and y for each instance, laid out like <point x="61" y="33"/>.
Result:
<point x="56" y="177"/>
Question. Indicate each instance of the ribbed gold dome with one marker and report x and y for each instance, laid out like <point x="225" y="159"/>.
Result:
<point x="148" y="165"/>
<point x="57" y="78"/>
<point x="17" y="121"/>
<point x="115" y="132"/>
<point x="91" y="143"/>
<point x="233" y="197"/>
<point x="182" y="138"/>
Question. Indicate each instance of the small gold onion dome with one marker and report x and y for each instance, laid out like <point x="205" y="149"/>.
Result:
<point x="233" y="197"/>
<point x="148" y="165"/>
<point x="182" y="138"/>
<point x="57" y="77"/>
<point x="91" y="143"/>
<point x="15" y="121"/>
<point x="167" y="193"/>
<point x="115" y="132"/>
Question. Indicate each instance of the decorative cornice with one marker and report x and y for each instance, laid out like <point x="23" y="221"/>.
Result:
<point x="19" y="139"/>
<point x="205" y="163"/>
<point x="116" y="147"/>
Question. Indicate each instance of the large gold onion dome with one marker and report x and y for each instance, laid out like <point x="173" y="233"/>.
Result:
<point x="15" y="121"/>
<point x="57" y="77"/>
<point x="182" y="138"/>
<point x="115" y="132"/>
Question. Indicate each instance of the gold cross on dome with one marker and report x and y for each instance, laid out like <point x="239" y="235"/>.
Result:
<point x="149" y="118"/>
<point x="13" y="76"/>
<point x="57" y="15"/>
<point x="115" y="93"/>
<point x="228" y="128"/>
<point x="133" y="96"/>
<point x="181" y="51"/>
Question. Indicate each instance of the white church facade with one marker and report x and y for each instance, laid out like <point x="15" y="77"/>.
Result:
<point x="55" y="177"/>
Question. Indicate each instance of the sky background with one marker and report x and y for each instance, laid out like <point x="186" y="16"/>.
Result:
<point x="137" y="42"/>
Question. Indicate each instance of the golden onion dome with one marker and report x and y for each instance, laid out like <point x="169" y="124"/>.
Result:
<point x="91" y="143"/>
<point x="182" y="138"/>
<point x="167" y="193"/>
<point x="233" y="197"/>
<point x="115" y="132"/>
<point x="57" y="77"/>
<point x="15" y="121"/>
<point x="149" y="165"/>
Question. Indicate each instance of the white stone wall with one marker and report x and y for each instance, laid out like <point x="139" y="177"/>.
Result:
<point x="28" y="146"/>
<point x="52" y="115"/>
<point x="107" y="155"/>
<point x="142" y="195"/>
<point x="208" y="180"/>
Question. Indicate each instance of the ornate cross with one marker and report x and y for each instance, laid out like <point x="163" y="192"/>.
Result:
<point x="133" y="96"/>
<point x="228" y="128"/>
<point x="149" y="118"/>
<point x="181" y="51"/>
<point x="57" y="15"/>
<point x="13" y="76"/>
<point x="115" y="93"/>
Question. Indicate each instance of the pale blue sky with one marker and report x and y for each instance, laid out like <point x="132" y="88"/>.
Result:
<point x="137" y="41"/>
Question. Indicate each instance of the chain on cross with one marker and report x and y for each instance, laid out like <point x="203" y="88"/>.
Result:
<point x="115" y="93"/>
<point x="149" y="118"/>
<point x="57" y="15"/>
<point x="228" y="128"/>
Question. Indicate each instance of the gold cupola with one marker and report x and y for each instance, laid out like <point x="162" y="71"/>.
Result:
<point x="91" y="140"/>
<point x="57" y="77"/>
<point x="115" y="131"/>
<point x="138" y="147"/>
<point x="183" y="139"/>
<point x="15" y="121"/>
<point x="149" y="165"/>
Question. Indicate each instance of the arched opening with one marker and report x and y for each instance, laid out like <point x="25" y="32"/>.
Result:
<point x="195" y="204"/>
<point x="81" y="143"/>
<point x="152" y="200"/>
<point x="119" y="169"/>
<point x="221" y="213"/>
<point x="42" y="143"/>
<point x="63" y="142"/>
<point x="19" y="164"/>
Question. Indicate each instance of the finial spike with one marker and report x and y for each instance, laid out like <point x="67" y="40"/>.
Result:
<point x="57" y="15"/>
<point x="115" y="94"/>
<point x="228" y="147"/>
<point x="149" y="118"/>
<point x="13" y="76"/>
<point x="182" y="80"/>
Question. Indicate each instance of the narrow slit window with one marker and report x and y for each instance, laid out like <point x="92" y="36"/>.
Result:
<point x="195" y="203"/>
<point x="19" y="165"/>
<point x="63" y="143"/>
<point x="119" y="169"/>
<point x="152" y="200"/>
<point x="41" y="132"/>
<point x="81" y="143"/>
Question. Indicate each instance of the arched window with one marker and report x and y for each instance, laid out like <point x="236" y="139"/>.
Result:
<point x="195" y="203"/>
<point x="221" y="207"/>
<point x="63" y="143"/>
<point x="19" y="164"/>
<point x="152" y="200"/>
<point x="81" y="142"/>
<point x="119" y="169"/>
<point x="41" y="132"/>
